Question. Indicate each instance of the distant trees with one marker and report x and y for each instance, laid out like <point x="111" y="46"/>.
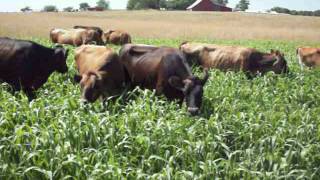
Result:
<point x="68" y="9"/>
<point x="178" y="4"/>
<point x="26" y="9"/>
<point x="243" y="5"/>
<point x="50" y="8"/>
<point x="103" y="4"/>
<point x="294" y="12"/>
<point x="84" y="6"/>
<point x="145" y="4"/>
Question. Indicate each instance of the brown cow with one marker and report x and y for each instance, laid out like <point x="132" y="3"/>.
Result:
<point x="98" y="29"/>
<point x="309" y="57"/>
<point x="117" y="37"/>
<point x="100" y="72"/>
<point x="27" y="65"/>
<point x="75" y="37"/>
<point x="164" y="69"/>
<point x="233" y="58"/>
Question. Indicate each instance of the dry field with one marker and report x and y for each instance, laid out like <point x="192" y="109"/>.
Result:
<point x="177" y="25"/>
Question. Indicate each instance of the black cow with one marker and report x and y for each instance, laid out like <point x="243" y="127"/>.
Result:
<point x="27" y="65"/>
<point x="166" y="70"/>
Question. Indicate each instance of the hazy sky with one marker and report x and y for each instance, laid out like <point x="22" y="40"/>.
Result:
<point x="16" y="5"/>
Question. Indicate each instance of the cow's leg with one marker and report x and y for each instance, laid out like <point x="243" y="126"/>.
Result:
<point x="30" y="93"/>
<point x="159" y="85"/>
<point x="300" y="63"/>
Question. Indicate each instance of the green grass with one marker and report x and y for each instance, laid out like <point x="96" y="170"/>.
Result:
<point x="266" y="128"/>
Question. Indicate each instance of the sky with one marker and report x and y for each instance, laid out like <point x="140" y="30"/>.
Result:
<point x="256" y="5"/>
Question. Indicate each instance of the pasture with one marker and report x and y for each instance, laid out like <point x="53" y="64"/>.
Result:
<point x="267" y="127"/>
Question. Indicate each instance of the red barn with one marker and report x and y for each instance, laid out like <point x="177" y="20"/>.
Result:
<point x="207" y="5"/>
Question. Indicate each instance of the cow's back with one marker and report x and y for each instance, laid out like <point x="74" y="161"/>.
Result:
<point x="308" y="56"/>
<point x="227" y="58"/>
<point x="13" y="59"/>
<point x="68" y="36"/>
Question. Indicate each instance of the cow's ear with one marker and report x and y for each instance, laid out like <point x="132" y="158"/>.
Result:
<point x="318" y="51"/>
<point x="176" y="82"/>
<point x="77" y="78"/>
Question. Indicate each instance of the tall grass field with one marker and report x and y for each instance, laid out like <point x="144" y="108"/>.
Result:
<point x="265" y="128"/>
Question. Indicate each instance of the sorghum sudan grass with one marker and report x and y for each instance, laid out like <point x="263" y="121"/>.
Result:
<point x="265" y="128"/>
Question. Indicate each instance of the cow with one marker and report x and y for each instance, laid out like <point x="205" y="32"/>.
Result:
<point x="98" y="29"/>
<point x="27" y="65"/>
<point x="117" y="37"/>
<point x="75" y="37"/>
<point x="166" y="70"/>
<point x="309" y="57"/>
<point x="100" y="73"/>
<point x="234" y="58"/>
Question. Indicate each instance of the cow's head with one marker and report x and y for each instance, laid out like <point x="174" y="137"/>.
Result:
<point x="94" y="37"/>
<point x="60" y="59"/>
<point x="192" y="89"/>
<point x="107" y="34"/>
<point x="275" y="62"/>
<point x="91" y="85"/>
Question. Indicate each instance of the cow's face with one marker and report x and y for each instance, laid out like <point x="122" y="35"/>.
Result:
<point x="60" y="62"/>
<point x="90" y="84"/>
<point x="107" y="34"/>
<point x="192" y="89"/>
<point x="280" y="64"/>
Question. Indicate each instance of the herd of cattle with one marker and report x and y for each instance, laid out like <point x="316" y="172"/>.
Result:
<point x="26" y="65"/>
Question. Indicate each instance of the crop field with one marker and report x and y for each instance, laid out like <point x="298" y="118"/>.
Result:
<point x="264" y="128"/>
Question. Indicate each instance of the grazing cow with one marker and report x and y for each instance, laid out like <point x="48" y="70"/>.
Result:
<point x="27" y="65"/>
<point x="309" y="57"/>
<point x="75" y="37"/>
<point x="165" y="70"/>
<point x="98" y="29"/>
<point x="117" y="37"/>
<point x="100" y="72"/>
<point x="233" y="58"/>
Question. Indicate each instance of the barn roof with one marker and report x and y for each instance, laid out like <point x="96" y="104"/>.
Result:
<point x="199" y="1"/>
<point x="194" y="4"/>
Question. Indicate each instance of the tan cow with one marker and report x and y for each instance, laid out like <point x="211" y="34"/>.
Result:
<point x="100" y="72"/>
<point x="117" y="37"/>
<point x="75" y="37"/>
<point x="309" y="57"/>
<point x="234" y="58"/>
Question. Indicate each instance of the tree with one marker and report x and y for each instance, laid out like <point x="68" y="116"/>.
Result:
<point x="145" y="4"/>
<point x="179" y="4"/>
<point x="243" y="5"/>
<point x="68" y="9"/>
<point x="103" y="4"/>
<point x="26" y="9"/>
<point x="83" y="6"/>
<point x="50" y="8"/>
<point x="223" y="2"/>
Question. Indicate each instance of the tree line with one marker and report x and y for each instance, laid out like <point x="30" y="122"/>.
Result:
<point x="294" y="12"/>
<point x="104" y="4"/>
